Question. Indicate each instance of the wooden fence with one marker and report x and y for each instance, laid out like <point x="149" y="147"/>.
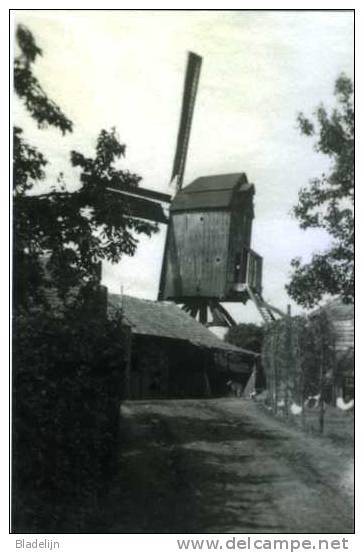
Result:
<point x="300" y="365"/>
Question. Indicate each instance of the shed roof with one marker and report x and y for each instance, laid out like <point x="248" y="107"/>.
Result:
<point x="214" y="191"/>
<point x="167" y="320"/>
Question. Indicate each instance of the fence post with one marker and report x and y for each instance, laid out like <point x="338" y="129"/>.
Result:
<point x="128" y="353"/>
<point x="321" y="389"/>
<point x="301" y="333"/>
<point x="274" y="372"/>
<point x="303" y="414"/>
<point x="333" y="359"/>
<point x="288" y="358"/>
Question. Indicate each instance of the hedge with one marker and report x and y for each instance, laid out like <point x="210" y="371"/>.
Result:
<point x="67" y="386"/>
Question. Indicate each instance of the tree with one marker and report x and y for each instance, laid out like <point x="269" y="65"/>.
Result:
<point x="72" y="231"/>
<point x="247" y="336"/>
<point x="328" y="203"/>
<point x="67" y="371"/>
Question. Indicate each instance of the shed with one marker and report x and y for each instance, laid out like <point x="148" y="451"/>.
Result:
<point x="341" y="317"/>
<point x="173" y="355"/>
<point x="208" y="253"/>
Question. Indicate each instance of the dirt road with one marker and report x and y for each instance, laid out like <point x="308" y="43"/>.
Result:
<point x="189" y="466"/>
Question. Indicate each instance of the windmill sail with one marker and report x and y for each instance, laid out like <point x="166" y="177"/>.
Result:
<point x="141" y="203"/>
<point x="194" y="63"/>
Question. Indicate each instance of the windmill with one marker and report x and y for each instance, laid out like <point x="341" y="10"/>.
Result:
<point x="207" y="256"/>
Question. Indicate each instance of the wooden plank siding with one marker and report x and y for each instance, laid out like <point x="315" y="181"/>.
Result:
<point x="208" y="243"/>
<point x="239" y="237"/>
<point x="341" y="317"/>
<point x="198" y="247"/>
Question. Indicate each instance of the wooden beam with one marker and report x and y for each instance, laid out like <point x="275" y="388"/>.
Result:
<point x="194" y="311"/>
<point x="217" y="318"/>
<point x="170" y="260"/>
<point x="141" y="208"/>
<point x="222" y="311"/>
<point x="274" y="309"/>
<point x="203" y="313"/>
<point x="139" y="191"/>
<point x="188" y="103"/>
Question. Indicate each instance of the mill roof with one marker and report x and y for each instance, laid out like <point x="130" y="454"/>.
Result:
<point x="214" y="191"/>
<point x="167" y="320"/>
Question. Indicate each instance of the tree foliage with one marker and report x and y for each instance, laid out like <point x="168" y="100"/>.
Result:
<point x="71" y="230"/>
<point x="27" y="87"/>
<point x="67" y="369"/>
<point x="67" y="384"/>
<point x="328" y="203"/>
<point x="246" y="336"/>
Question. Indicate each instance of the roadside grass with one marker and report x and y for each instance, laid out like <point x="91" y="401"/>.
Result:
<point x="338" y="424"/>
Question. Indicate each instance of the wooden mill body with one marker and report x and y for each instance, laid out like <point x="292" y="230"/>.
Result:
<point x="207" y="254"/>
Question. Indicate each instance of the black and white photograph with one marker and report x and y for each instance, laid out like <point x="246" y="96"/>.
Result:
<point x="182" y="284"/>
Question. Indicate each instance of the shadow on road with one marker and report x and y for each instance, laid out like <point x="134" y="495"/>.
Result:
<point x="192" y="467"/>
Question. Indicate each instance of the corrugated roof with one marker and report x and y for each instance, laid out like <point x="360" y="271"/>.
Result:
<point x="210" y="192"/>
<point x="166" y="319"/>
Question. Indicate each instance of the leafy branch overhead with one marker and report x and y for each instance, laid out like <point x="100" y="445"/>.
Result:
<point x="27" y="87"/>
<point x="328" y="203"/>
<point x="71" y="230"/>
<point x="67" y="370"/>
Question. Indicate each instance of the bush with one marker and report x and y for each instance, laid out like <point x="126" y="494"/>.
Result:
<point x="67" y="385"/>
<point x="247" y="336"/>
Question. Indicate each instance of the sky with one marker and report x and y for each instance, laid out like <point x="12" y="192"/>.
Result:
<point x="125" y="69"/>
